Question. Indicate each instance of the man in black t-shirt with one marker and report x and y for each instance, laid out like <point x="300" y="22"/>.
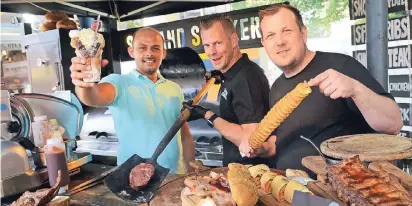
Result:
<point x="345" y="98"/>
<point x="244" y="92"/>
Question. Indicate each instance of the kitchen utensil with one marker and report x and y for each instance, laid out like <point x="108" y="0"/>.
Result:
<point x="327" y="160"/>
<point x="118" y="181"/>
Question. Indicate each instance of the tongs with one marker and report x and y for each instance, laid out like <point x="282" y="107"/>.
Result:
<point x="89" y="183"/>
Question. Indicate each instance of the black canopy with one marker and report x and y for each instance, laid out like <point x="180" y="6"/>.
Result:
<point x="117" y="9"/>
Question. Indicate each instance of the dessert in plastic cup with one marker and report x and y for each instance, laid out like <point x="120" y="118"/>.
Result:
<point x="89" y="45"/>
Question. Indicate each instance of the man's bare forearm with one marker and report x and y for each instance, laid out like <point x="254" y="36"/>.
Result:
<point x="381" y="113"/>
<point x="232" y="132"/>
<point x="100" y="95"/>
<point x="87" y="95"/>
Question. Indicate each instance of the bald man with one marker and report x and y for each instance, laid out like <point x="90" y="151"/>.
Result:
<point x="143" y="104"/>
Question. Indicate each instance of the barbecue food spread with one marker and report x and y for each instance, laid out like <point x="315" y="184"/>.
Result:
<point x="213" y="189"/>
<point x="242" y="185"/>
<point x="266" y="181"/>
<point x="278" y="114"/>
<point x="141" y="175"/>
<point x="40" y="197"/>
<point x="296" y="173"/>
<point x="278" y="187"/>
<point x="257" y="171"/>
<point x="357" y="185"/>
<point x="290" y="189"/>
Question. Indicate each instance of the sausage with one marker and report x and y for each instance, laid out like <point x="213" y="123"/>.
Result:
<point x="141" y="175"/>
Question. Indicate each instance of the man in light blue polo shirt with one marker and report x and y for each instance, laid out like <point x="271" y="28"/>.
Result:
<point x="144" y="105"/>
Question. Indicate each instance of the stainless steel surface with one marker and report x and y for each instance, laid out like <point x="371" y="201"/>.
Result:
<point x="82" y="159"/>
<point x="46" y="47"/>
<point x="59" y="77"/>
<point x="34" y="178"/>
<point x="22" y="113"/>
<point x="22" y="182"/>
<point x="14" y="159"/>
<point x="67" y="114"/>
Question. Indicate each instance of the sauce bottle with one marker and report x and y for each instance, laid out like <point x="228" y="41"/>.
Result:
<point x="56" y="160"/>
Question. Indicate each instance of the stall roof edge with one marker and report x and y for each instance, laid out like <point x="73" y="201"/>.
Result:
<point x="126" y="9"/>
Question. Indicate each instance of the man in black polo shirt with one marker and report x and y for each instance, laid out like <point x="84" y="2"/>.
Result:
<point x="244" y="93"/>
<point x="345" y="98"/>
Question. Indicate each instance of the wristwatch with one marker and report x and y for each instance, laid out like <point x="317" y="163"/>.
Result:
<point x="211" y="120"/>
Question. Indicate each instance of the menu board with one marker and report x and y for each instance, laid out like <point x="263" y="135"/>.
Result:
<point x="399" y="57"/>
<point x="357" y="8"/>
<point x="397" y="30"/>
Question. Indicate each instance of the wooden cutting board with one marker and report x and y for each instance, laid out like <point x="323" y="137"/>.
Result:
<point x="369" y="147"/>
<point x="315" y="164"/>
<point x="169" y="193"/>
<point x="324" y="190"/>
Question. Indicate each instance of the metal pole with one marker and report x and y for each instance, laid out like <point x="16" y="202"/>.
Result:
<point x="377" y="40"/>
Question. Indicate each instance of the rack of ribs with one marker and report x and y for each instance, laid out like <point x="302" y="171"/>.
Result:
<point x="357" y="185"/>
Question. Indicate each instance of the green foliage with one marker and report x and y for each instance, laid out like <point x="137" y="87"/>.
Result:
<point x="317" y="14"/>
<point x="390" y="16"/>
<point x="134" y="24"/>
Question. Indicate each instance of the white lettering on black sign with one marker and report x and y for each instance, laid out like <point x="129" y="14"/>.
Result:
<point x="361" y="57"/>
<point x="397" y="30"/>
<point x="404" y="133"/>
<point x="399" y="85"/>
<point x="399" y="57"/>
<point x="405" y="113"/>
<point x="357" y="8"/>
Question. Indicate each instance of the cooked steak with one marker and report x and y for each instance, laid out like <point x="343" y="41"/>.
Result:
<point x="357" y="185"/>
<point x="141" y="175"/>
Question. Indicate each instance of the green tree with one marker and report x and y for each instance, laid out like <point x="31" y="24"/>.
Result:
<point x="317" y="14"/>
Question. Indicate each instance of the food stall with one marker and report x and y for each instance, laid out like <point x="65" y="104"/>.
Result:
<point x="91" y="183"/>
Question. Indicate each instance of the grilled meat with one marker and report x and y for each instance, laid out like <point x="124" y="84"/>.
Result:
<point x="357" y="185"/>
<point x="40" y="197"/>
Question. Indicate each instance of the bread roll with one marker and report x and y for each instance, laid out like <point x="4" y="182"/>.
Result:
<point x="296" y="173"/>
<point x="266" y="181"/>
<point x="258" y="170"/>
<point x="46" y="26"/>
<point x="291" y="187"/>
<point x="55" y="16"/>
<point x="242" y="185"/>
<point x="278" y="187"/>
<point x="66" y="24"/>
